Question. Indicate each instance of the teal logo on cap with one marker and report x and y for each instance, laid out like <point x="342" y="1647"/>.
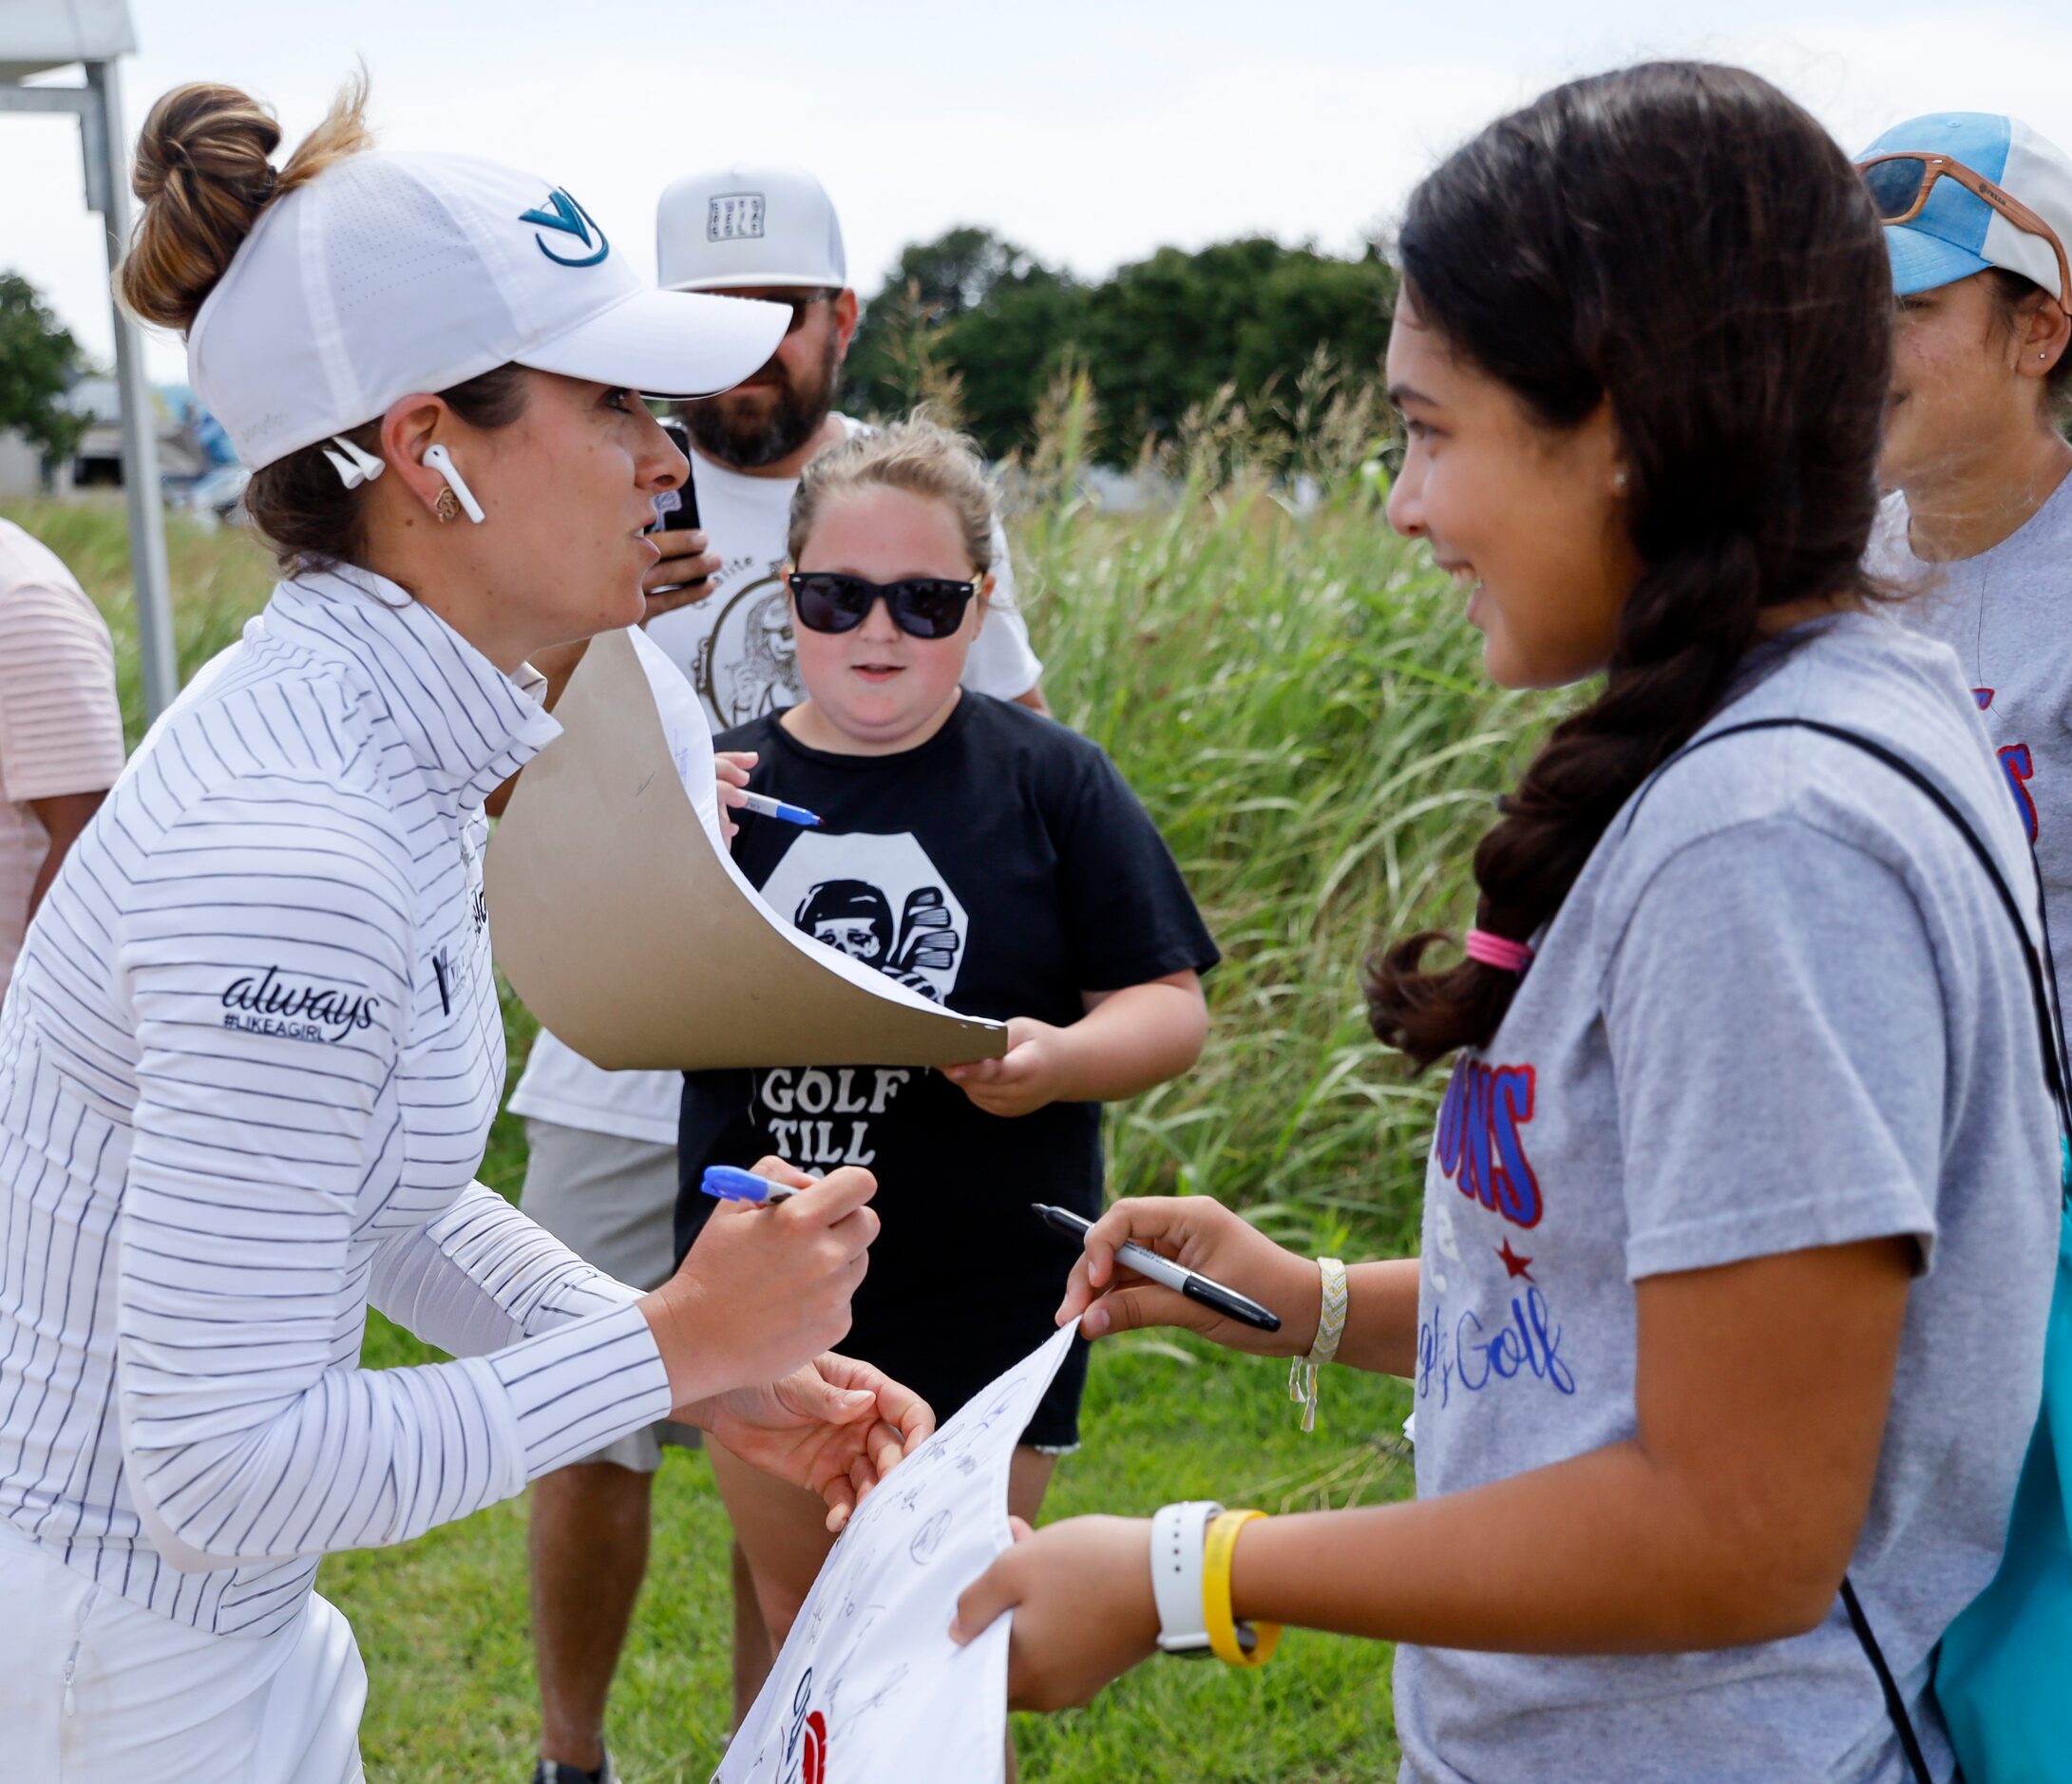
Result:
<point x="561" y="213"/>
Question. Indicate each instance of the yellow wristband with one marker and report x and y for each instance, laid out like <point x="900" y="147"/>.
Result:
<point x="1226" y="1637"/>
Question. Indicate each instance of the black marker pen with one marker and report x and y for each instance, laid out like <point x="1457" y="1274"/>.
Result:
<point x="1227" y="1301"/>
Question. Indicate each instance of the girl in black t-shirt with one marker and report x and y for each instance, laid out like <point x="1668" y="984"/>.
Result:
<point x="983" y="856"/>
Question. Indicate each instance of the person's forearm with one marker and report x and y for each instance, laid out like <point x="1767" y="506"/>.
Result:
<point x="1382" y="1317"/>
<point x="1139" y="1036"/>
<point x="482" y="1275"/>
<point x="1605" y="1553"/>
<point x="63" y="818"/>
<point x="46" y="877"/>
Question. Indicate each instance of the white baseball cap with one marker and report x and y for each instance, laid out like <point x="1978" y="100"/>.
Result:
<point x="389" y="273"/>
<point x="746" y="225"/>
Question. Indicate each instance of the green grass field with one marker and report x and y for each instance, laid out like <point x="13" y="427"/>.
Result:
<point x="1298" y="703"/>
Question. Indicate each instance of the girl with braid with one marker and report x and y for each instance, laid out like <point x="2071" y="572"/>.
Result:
<point x="1738" y="1230"/>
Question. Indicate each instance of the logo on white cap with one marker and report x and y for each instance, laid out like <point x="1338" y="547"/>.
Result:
<point x="734" y="216"/>
<point x="563" y="213"/>
<point x="744" y="226"/>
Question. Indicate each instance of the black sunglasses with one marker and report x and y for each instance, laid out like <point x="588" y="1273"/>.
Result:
<point x="920" y="606"/>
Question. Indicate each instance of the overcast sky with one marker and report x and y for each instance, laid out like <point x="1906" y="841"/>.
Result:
<point x="1090" y="131"/>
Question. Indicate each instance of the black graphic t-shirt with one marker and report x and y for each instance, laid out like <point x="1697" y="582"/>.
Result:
<point x="1003" y="868"/>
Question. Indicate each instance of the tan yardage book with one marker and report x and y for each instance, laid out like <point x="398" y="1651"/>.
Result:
<point x="632" y="935"/>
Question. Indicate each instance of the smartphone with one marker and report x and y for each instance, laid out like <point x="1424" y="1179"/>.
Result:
<point x="678" y="509"/>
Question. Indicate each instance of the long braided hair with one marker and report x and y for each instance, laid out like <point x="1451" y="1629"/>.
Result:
<point x="1684" y="241"/>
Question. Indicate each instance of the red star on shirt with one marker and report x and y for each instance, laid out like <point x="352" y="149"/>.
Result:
<point x="1512" y="1262"/>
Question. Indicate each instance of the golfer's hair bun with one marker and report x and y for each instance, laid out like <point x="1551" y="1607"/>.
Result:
<point x="205" y="173"/>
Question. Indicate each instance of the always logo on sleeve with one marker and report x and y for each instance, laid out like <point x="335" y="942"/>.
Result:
<point x="298" y="1005"/>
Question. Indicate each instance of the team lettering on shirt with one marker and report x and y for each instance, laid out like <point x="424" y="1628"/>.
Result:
<point x="1480" y="1148"/>
<point x="820" y="1118"/>
<point x="2017" y="765"/>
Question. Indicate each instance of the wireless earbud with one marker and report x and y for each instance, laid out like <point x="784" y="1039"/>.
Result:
<point x="442" y="462"/>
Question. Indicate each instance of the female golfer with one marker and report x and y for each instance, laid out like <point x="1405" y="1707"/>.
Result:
<point x="252" y="1046"/>
<point x="1739" y="1224"/>
<point x="1979" y="519"/>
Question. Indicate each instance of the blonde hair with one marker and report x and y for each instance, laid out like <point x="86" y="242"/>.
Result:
<point x="915" y="455"/>
<point x="205" y="175"/>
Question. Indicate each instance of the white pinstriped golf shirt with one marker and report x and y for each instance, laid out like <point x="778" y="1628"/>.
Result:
<point x="247" y="1066"/>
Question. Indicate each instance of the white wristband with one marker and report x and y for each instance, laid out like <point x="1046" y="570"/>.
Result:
<point x="1179" y="1533"/>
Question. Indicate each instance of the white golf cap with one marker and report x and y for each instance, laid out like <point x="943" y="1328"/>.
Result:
<point x="748" y="225"/>
<point x="389" y="273"/>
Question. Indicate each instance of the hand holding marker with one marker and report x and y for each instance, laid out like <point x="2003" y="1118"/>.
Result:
<point x="764" y="807"/>
<point x="1164" y="1271"/>
<point x="727" y="1184"/>
<point x="733" y="767"/>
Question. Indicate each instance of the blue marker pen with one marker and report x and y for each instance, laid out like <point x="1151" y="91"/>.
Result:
<point x="728" y="1184"/>
<point x="766" y="807"/>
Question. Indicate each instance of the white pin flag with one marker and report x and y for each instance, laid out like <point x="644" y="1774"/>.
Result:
<point x="870" y="1684"/>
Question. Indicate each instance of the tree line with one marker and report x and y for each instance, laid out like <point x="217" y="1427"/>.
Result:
<point x="1156" y="337"/>
<point x="39" y="363"/>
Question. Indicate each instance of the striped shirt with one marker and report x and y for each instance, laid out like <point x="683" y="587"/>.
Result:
<point x="61" y="728"/>
<point x="251" y="1055"/>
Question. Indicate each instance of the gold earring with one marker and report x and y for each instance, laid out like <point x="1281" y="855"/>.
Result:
<point x="448" y="507"/>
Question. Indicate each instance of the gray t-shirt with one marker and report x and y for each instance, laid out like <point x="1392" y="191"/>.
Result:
<point x="1781" y="1008"/>
<point x="2007" y="614"/>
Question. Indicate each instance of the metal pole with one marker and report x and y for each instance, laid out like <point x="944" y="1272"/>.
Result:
<point x="102" y="139"/>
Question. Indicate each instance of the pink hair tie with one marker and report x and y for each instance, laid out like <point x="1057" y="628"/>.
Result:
<point x="1498" y="951"/>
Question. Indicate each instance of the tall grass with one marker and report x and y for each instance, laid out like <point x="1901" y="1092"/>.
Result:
<point x="1293" y="696"/>
<point x="219" y="578"/>
<point x="1298" y="703"/>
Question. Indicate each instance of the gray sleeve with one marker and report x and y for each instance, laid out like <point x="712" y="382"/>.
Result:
<point x="1777" y="1030"/>
<point x="1002" y="662"/>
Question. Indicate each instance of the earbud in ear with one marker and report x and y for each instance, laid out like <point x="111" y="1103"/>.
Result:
<point x="442" y="460"/>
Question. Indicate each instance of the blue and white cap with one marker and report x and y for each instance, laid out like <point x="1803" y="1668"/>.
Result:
<point x="1959" y="234"/>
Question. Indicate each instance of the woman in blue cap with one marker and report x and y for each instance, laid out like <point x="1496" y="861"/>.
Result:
<point x="1978" y="526"/>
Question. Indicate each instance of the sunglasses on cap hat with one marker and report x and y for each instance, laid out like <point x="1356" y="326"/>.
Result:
<point x="1900" y="184"/>
<point x="920" y="606"/>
